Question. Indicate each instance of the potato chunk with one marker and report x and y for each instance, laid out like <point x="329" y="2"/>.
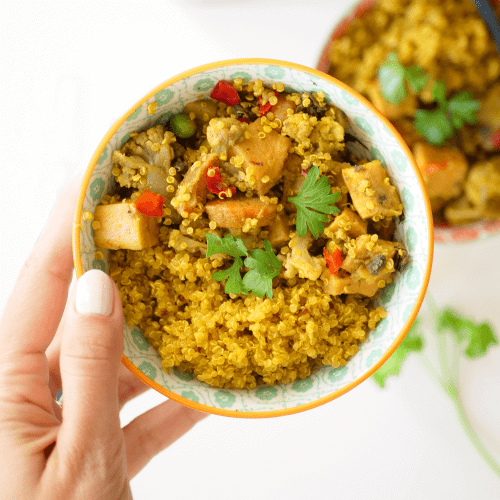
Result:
<point x="263" y="158"/>
<point x="203" y="110"/>
<point x="279" y="231"/>
<point x="370" y="266"/>
<point x="483" y="187"/>
<point x="122" y="226"/>
<point x="338" y="285"/>
<point x="371" y="191"/>
<point x="370" y="257"/>
<point x="233" y="213"/>
<point x="191" y="193"/>
<point x="348" y="221"/>
<point x="444" y="170"/>
<point x="280" y="109"/>
<point x="390" y="110"/>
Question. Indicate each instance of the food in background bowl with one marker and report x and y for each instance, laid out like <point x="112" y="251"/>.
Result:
<point x="367" y="135"/>
<point x="432" y="68"/>
<point x="248" y="243"/>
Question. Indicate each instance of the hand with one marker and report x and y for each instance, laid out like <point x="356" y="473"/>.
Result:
<point x="49" y="342"/>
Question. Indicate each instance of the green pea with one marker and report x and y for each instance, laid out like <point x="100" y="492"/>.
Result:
<point x="182" y="125"/>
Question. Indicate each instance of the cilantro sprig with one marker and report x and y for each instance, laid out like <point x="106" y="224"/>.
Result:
<point x="393" y="77"/>
<point x="411" y="343"/>
<point x="436" y="125"/>
<point x="456" y="336"/>
<point x="313" y="202"/>
<point x="263" y="265"/>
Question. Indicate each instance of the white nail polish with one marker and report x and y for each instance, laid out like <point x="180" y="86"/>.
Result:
<point x="94" y="293"/>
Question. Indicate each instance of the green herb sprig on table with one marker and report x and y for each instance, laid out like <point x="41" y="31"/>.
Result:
<point x="313" y="202"/>
<point x="263" y="265"/>
<point x="436" y="125"/>
<point x="456" y="336"/>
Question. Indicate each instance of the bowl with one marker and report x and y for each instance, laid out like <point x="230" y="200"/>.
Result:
<point x="401" y="299"/>
<point x="444" y="233"/>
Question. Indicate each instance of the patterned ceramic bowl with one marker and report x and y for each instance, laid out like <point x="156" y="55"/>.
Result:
<point x="443" y="232"/>
<point x="401" y="299"/>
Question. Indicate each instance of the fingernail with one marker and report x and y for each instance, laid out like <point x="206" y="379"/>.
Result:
<point x="94" y="293"/>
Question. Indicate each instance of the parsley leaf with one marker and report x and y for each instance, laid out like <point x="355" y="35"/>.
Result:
<point x="391" y="77"/>
<point x="234" y="247"/>
<point x="412" y="342"/>
<point x="234" y="283"/>
<point x="439" y="93"/>
<point x="313" y="202"/>
<point x="479" y="336"/>
<point x="229" y="245"/>
<point x="264" y="267"/>
<point x="465" y="107"/>
<point x="436" y="125"/>
<point x="433" y="125"/>
<point x="416" y="78"/>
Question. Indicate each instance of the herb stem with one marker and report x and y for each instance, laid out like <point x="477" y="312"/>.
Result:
<point x="449" y="382"/>
<point x="430" y="368"/>
<point x="472" y="435"/>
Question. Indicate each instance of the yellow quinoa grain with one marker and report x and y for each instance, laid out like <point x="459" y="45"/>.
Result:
<point x="152" y="107"/>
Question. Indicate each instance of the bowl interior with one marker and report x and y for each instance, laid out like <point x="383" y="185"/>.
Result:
<point x="401" y="299"/>
<point x="443" y="233"/>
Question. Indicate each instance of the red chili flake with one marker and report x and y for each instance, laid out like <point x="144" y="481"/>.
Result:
<point x="333" y="260"/>
<point x="304" y="172"/>
<point x="150" y="204"/>
<point x="215" y="184"/>
<point x="224" y="92"/>
<point x="264" y="108"/>
<point x="495" y="139"/>
<point x="434" y="166"/>
<point x="244" y="119"/>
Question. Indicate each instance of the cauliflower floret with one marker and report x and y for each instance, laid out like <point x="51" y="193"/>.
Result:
<point x="299" y="127"/>
<point x="153" y="146"/>
<point x="144" y="160"/>
<point x="325" y="135"/>
<point x="300" y="261"/>
<point x="222" y="133"/>
<point x="328" y="135"/>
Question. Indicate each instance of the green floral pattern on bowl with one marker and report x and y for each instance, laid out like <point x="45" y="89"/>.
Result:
<point x="399" y="298"/>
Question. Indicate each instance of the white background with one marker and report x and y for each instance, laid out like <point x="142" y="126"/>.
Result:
<point x="67" y="71"/>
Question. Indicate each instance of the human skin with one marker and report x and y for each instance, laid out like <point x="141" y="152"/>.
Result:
<point x="50" y="341"/>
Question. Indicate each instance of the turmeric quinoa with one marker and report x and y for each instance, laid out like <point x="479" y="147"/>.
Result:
<point x="449" y="42"/>
<point x="220" y="192"/>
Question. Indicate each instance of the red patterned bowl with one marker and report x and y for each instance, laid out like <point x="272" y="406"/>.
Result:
<point x="443" y="232"/>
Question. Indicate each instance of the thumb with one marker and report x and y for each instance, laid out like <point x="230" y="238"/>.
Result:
<point x="91" y="348"/>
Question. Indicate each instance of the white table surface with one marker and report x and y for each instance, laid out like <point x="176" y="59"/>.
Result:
<point x="67" y="71"/>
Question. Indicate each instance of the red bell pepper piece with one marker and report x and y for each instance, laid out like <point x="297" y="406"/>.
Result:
<point x="224" y="92"/>
<point x="495" y="139"/>
<point x="434" y="166"/>
<point x="150" y="204"/>
<point x="333" y="260"/>
<point x="215" y="184"/>
<point x="264" y="108"/>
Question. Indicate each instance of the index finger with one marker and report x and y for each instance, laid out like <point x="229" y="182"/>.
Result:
<point x="37" y="302"/>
